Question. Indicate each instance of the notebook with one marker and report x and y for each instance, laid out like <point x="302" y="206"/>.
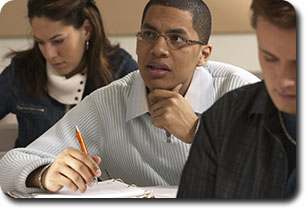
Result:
<point x="114" y="188"/>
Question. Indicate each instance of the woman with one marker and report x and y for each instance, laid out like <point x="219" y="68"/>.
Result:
<point x="71" y="57"/>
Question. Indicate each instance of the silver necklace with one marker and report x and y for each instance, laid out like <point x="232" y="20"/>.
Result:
<point x="285" y="129"/>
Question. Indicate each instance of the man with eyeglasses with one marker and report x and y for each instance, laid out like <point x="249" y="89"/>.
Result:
<point x="138" y="128"/>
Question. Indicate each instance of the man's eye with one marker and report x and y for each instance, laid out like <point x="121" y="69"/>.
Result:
<point x="270" y="59"/>
<point x="176" y="38"/>
<point x="148" y="35"/>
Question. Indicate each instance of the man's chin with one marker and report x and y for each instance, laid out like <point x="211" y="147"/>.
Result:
<point x="291" y="109"/>
<point x="153" y="86"/>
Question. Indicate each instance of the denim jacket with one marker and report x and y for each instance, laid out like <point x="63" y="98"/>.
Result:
<point x="37" y="114"/>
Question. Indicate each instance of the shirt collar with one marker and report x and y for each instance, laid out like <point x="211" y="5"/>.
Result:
<point x="263" y="107"/>
<point x="261" y="100"/>
<point x="200" y="94"/>
<point x="137" y="103"/>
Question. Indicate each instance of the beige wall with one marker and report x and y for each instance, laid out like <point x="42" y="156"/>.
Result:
<point x="122" y="17"/>
<point x="233" y="39"/>
<point x="237" y="49"/>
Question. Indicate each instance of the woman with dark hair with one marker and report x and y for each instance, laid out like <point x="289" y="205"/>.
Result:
<point x="71" y="57"/>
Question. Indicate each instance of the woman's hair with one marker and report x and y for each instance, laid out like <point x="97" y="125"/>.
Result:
<point x="32" y="65"/>
<point x="278" y="12"/>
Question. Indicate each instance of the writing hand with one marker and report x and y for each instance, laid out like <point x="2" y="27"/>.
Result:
<point x="172" y="112"/>
<point x="70" y="169"/>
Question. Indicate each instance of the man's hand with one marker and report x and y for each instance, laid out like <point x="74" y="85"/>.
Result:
<point x="171" y="111"/>
<point x="70" y="170"/>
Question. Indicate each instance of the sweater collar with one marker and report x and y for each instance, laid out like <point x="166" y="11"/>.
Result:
<point x="68" y="91"/>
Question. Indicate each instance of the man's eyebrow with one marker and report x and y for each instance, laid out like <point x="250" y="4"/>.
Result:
<point x="176" y="30"/>
<point x="53" y="37"/>
<point x="266" y="52"/>
<point x="148" y="26"/>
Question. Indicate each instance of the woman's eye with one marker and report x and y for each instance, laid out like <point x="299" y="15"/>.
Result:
<point x="58" y="42"/>
<point x="39" y="42"/>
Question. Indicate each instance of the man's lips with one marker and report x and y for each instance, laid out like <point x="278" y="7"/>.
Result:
<point x="158" y="66"/>
<point x="158" y="70"/>
<point x="286" y="95"/>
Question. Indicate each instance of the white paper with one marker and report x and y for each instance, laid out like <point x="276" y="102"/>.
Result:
<point x="162" y="191"/>
<point x="105" y="189"/>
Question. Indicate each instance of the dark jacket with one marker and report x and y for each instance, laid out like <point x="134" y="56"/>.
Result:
<point x="35" y="115"/>
<point x="238" y="150"/>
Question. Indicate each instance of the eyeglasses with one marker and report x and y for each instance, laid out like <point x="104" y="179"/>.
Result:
<point x="174" y="41"/>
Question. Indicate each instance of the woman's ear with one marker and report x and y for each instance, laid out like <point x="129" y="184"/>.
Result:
<point x="205" y="51"/>
<point x="87" y="27"/>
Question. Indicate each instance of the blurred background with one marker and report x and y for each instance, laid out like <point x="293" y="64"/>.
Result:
<point x="232" y="38"/>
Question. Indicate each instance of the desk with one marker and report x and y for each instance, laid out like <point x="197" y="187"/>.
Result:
<point x="113" y="188"/>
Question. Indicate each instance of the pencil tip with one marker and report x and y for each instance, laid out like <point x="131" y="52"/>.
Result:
<point x="76" y="127"/>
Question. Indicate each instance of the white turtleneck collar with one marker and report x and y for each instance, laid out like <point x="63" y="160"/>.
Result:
<point x="67" y="91"/>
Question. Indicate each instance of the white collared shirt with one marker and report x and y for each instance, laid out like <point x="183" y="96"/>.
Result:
<point x="200" y="100"/>
<point x="116" y="126"/>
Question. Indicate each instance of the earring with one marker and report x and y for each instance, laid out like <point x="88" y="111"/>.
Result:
<point x="87" y="45"/>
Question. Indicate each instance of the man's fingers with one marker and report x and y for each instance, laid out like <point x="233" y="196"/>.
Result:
<point x="66" y="182"/>
<point x="59" y="178"/>
<point x="75" y="178"/>
<point x="97" y="159"/>
<point x="77" y="167"/>
<point x="82" y="170"/>
<point x="177" y="88"/>
<point x="159" y="94"/>
<point x="87" y="160"/>
<point x="57" y="183"/>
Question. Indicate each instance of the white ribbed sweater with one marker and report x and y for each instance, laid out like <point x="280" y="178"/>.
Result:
<point x="135" y="151"/>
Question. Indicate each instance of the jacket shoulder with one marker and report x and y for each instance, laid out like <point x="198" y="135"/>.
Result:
<point x="122" y="63"/>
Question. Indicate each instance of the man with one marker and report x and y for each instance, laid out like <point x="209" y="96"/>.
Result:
<point x="140" y="127"/>
<point x="246" y="144"/>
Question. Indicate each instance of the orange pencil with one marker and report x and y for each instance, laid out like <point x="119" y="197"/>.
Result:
<point x="84" y="149"/>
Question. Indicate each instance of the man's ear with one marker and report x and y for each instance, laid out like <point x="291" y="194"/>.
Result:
<point x="87" y="29"/>
<point x="205" y="51"/>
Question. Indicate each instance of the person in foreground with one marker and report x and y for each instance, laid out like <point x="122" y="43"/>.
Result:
<point x="71" y="57"/>
<point x="138" y="128"/>
<point x="245" y="146"/>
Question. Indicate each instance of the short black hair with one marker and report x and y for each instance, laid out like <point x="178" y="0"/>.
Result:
<point x="202" y="21"/>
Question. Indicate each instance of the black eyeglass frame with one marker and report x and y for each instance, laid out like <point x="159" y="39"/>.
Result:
<point x="187" y="42"/>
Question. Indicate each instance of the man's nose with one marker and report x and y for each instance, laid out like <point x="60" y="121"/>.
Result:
<point x="160" y="47"/>
<point x="287" y="75"/>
